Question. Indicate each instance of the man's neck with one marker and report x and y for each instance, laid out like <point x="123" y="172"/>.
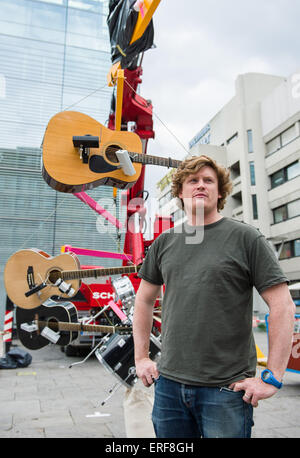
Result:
<point x="203" y="220"/>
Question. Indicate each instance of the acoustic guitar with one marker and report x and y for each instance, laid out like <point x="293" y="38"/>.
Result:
<point x="33" y="325"/>
<point x="69" y="166"/>
<point x="32" y="276"/>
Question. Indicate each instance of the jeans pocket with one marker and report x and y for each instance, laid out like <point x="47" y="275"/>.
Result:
<point x="229" y="390"/>
<point x="156" y="380"/>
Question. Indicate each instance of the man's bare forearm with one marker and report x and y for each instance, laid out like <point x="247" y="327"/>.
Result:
<point x="142" y="325"/>
<point x="146" y="369"/>
<point x="143" y="318"/>
<point x="281" y="325"/>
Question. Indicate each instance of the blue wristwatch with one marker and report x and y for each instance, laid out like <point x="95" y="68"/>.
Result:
<point x="268" y="377"/>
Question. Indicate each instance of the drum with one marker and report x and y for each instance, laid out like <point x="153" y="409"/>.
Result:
<point x="124" y="291"/>
<point x="117" y="356"/>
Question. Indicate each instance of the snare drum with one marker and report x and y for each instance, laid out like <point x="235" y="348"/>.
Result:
<point x="124" y="291"/>
<point x="117" y="356"/>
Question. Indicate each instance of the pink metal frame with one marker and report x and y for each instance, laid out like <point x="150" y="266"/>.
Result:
<point x="96" y="253"/>
<point x="95" y="206"/>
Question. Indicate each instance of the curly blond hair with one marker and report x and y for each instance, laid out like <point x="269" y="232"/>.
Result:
<point x="192" y="165"/>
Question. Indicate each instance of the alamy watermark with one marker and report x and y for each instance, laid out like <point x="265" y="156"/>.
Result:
<point x="110" y="218"/>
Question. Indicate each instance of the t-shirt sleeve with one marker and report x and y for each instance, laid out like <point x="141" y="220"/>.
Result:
<point x="265" y="268"/>
<point x="150" y="270"/>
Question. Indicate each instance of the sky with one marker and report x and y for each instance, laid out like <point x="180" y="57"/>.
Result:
<point x="201" y="48"/>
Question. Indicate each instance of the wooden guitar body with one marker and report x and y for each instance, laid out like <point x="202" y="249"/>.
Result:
<point x="45" y="268"/>
<point x="63" y="169"/>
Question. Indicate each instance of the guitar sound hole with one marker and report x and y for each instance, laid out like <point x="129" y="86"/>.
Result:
<point x="110" y="153"/>
<point x="52" y="323"/>
<point x="54" y="275"/>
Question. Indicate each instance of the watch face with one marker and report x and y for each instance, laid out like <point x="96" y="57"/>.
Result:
<point x="266" y="375"/>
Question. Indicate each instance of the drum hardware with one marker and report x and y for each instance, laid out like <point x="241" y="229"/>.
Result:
<point x="103" y="340"/>
<point x="99" y="343"/>
<point x="93" y="317"/>
<point x="117" y="385"/>
<point x="87" y="357"/>
<point x="116" y="307"/>
<point x="124" y="291"/>
<point x="117" y="356"/>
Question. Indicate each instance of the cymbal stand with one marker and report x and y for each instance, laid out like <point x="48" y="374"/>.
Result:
<point x="117" y="385"/>
<point x="90" y="354"/>
<point x="98" y="344"/>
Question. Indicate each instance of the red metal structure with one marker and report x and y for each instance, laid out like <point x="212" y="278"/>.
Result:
<point x="134" y="109"/>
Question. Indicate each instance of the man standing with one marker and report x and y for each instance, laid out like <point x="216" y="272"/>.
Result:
<point x="205" y="384"/>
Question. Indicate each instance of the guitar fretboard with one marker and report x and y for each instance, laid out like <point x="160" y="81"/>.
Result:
<point x="155" y="160"/>
<point x="94" y="273"/>
<point x="64" y="326"/>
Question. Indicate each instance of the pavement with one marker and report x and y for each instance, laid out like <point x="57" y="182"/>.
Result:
<point x="48" y="399"/>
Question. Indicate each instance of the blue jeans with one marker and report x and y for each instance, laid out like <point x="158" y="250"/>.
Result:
<point x="194" y="411"/>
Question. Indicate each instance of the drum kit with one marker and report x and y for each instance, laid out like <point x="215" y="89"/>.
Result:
<point x="116" y="352"/>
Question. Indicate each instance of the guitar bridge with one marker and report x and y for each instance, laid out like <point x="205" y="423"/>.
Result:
<point x="29" y="327"/>
<point x="83" y="144"/>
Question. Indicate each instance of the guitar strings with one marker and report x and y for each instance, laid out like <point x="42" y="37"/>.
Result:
<point x="161" y="121"/>
<point x="85" y="97"/>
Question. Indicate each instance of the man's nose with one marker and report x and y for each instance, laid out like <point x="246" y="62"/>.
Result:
<point x="200" y="184"/>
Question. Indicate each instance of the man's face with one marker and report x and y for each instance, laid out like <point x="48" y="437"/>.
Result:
<point x="200" y="191"/>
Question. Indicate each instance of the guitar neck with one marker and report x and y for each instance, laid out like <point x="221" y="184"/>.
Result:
<point x="65" y="326"/>
<point x="94" y="273"/>
<point x="155" y="160"/>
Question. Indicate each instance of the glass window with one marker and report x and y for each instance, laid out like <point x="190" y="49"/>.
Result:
<point x="87" y="5"/>
<point x="273" y="145"/>
<point x="293" y="170"/>
<point x="252" y="173"/>
<point x="277" y="178"/>
<point x="294" y="208"/>
<point x="58" y="2"/>
<point x="254" y="206"/>
<point x="297" y="247"/>
<point x="288" y="135"/>
<point x="280" y="214"/>
<point x="86" y="30"/>
<point x="13" y="11"/>
<point x="286" y="251"/>
<point x="250" y="141"/>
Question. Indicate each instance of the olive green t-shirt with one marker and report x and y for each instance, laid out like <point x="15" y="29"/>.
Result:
<point x="209" y="275"/>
